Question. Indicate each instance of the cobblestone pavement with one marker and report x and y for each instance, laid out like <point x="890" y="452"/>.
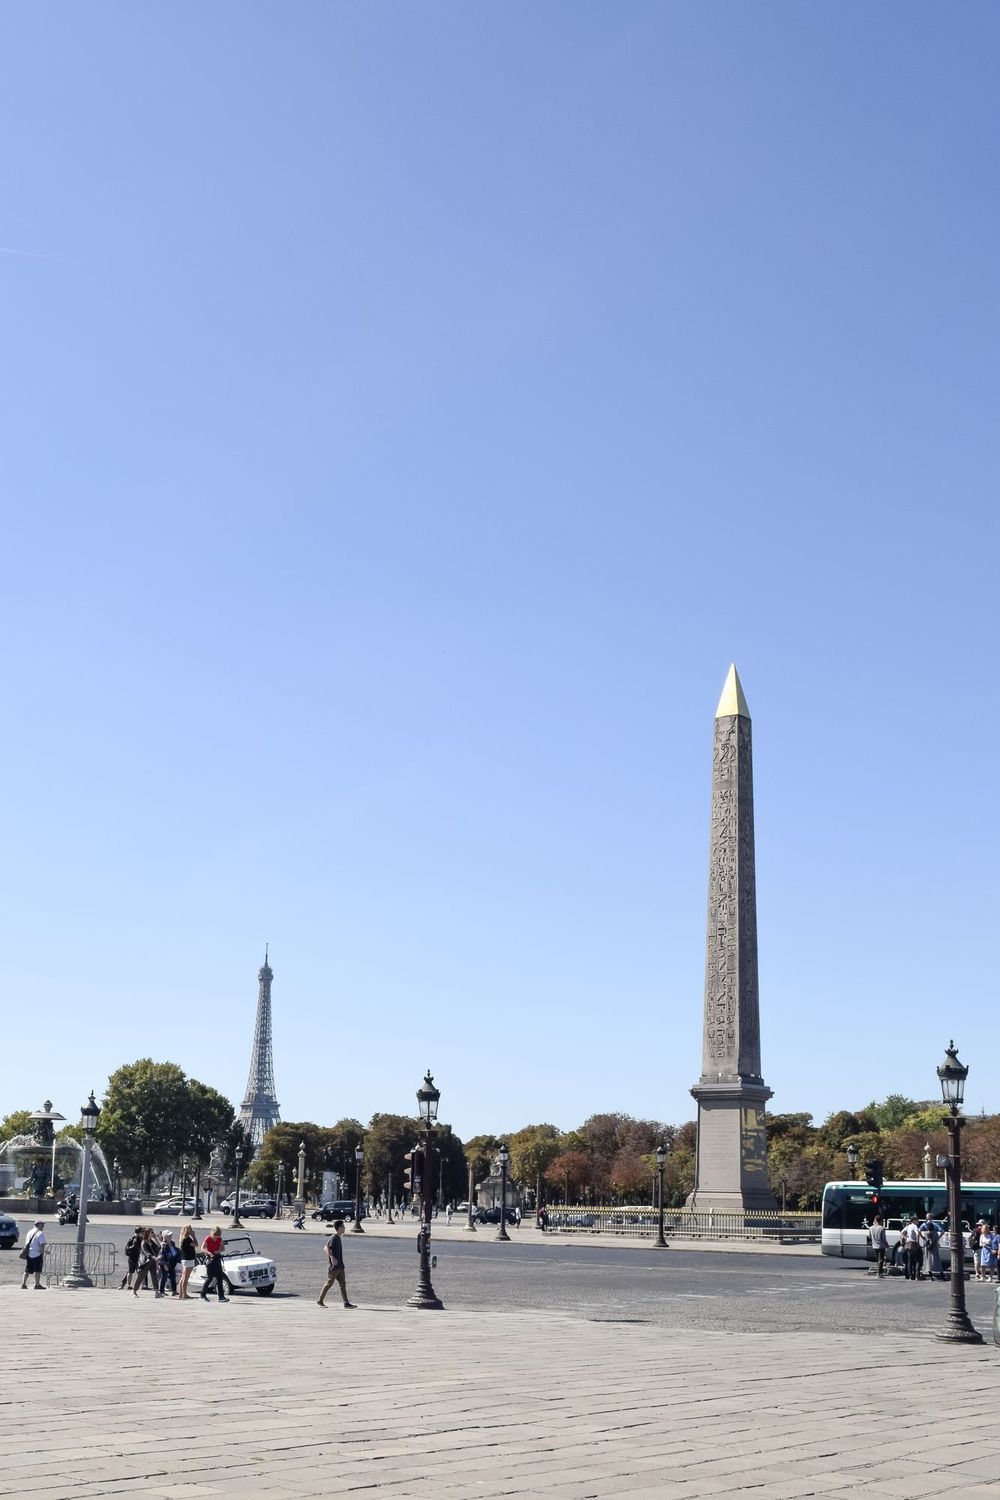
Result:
<point x="106" y="1395"/>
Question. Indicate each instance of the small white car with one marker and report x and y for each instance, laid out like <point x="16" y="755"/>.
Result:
<point x="242" y="1268"/>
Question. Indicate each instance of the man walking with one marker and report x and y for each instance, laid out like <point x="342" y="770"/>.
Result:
<point x="911" y="1249"/>
<point x="212" y="1246"/>
<point x="335" y="1272"/>
<point x="34" y="1256"/>
<point x="880" y="1244"/>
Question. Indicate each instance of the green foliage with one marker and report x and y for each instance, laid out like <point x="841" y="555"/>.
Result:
<point x="280" y="1147"/>
<point x="532" y="1151"/>
<point x="18" y="1122"/>
<point x="893" y="1111"/>
<point x="387" y="1140"/>
<point x="480" y="1151"/>
<point x="153" y="1115"/>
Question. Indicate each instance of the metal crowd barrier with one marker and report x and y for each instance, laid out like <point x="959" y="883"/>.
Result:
<point x="99" y="1261"/>
<point x="641" y="1223"/>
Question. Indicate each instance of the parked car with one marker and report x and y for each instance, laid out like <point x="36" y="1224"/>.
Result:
<point x="8" y="1232"/>
<point x="178" y="1207"/>
<point x="242" y="1268"/>
<point x="252" y="1205"/>
<point x="492" y="1215"/>
<point x="341" y="1208"/>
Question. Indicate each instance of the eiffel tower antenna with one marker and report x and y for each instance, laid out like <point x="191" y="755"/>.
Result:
<point x="259" y="1110"/>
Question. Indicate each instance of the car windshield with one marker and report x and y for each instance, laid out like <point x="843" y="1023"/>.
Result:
<point x="239" y="1245"/>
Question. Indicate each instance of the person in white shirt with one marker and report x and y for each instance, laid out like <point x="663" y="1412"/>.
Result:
<point x="912" y="1250"/>
<point x="35" y="1247"/>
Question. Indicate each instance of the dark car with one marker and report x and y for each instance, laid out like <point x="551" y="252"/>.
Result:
<point x="492" y="1215"/>
<point x="343" y="1208"/>
<point x="8" y="1232"/>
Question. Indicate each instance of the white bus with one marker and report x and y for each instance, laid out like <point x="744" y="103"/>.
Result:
<point x="849" y="1207"/>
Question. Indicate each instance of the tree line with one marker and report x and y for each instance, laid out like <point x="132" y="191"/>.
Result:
<point x="153" y="1116"/>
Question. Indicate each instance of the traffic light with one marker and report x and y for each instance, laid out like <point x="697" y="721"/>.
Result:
<point x="408" y="1172"/>
<point x="873" y="1173"/>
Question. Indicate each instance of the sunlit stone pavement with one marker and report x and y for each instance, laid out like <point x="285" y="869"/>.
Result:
<point x="104" y="1394"/>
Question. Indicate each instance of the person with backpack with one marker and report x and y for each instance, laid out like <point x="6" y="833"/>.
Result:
<point x="132" y="1248"/>
<point x="149" y="1254"/>
<point x="168" y="1258"/>
<point x="33" y="1256"/>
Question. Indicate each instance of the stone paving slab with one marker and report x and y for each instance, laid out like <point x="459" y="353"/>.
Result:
<point x="106" y="1395"/>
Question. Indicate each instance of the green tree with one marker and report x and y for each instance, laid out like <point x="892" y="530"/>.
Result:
<point x="280" y="1147"/>
<point x="18" y="1122"/>
<point x="894" y="1109"/>
<point x="144" y="1118"/>
<point x="568" y="1171"/>
<point x="211" y="1119"/>
<point x="387" y="1140"/>
<point x="532" y="1151"/>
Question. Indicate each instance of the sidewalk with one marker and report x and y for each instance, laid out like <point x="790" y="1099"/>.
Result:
<point x="278" y="1399"/>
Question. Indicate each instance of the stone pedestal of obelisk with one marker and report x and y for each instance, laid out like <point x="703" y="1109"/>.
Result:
<point x="732" y="1137"/>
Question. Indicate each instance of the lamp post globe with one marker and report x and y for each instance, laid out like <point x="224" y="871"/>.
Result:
<point x="951" y="1076"/>
<point x="425" y="1296"/>
<point x="89" y="1116"/>
<point x="661" y="1157"/>
<point x="359" y="1156"/>
<point x="238" y="1157"/>
<point x="852" y="1160"/>
<point x="503" y="1157"/>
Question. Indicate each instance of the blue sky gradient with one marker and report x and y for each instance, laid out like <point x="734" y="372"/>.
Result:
<point x="409" y="412"/>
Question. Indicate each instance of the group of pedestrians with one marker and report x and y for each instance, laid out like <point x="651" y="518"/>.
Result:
<point x="984" y="1242"/>
<point x="917" y="1247"/>
<point x="153" y="1263"/>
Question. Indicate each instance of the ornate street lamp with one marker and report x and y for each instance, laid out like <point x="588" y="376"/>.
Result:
<point x="184" y="1172"/>
<point x="359" y="1156"/>
<point x="427" y="1099"/>
<point x="197" y="1189"/>
<point x="952" y="1076"/>
<point x="116" y="1184"/>
<point x="852" y="1161"/>
<point x="661" y="1157"/>
<point x="89" y="1116"/>
<point x="238" y="1155"/>
<point x="503" y="1156"/>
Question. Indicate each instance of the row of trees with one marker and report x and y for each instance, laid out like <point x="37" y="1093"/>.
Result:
<point x="152" y="1116"/>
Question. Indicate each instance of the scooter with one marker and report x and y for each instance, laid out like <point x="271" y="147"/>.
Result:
<point x="69" y="1212"/>
<point x="299" y="1221"/>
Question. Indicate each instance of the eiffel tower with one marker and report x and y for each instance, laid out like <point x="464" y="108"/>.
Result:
<point x="259" y="1110"/>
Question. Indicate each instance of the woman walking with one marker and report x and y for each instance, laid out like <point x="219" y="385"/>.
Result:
<point x="189" y="1259"/>
<point x="149" y="1250"/>
<point x="168" y="1258"/>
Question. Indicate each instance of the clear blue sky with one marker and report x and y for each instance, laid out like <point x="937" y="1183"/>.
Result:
<point x="408" y="413"/>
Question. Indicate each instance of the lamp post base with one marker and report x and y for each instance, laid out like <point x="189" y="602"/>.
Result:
<point x="959" y="1330"/>
<point x="661" y="1245"/>
<point x="76" y="1280"/>
<point x="356" y="1227"/>
<point x="502" y="1235"/>
<point x="425" y="1298"/>
<point x="470" y="1228"/>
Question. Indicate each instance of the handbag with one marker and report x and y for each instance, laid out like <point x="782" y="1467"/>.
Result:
<point x="23" y="1254"/>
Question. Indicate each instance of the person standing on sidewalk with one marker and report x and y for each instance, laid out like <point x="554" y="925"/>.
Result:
<point x="911" y="1248"/>
<point x="149" y="1254"/>
<point x="335" y="1272"/>
<point x="880" y="1244"/>
<point x="132" y="1247"/>
<point x="212" y="1246"/>
<point x="169" y="1256"/>
<point x="189" y="1259"/>
<point x="34" y="1256"/>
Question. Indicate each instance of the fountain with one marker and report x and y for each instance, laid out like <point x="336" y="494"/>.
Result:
<point x="38" y="1164"/>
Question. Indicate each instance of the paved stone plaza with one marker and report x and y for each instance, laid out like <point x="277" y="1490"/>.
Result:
<point x="104" y="1395"/>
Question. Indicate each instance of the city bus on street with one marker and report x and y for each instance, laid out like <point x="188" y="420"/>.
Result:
<point x="849" y="1207"/>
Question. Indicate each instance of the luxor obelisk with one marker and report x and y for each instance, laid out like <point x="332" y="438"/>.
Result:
<point x="732" y="1136"/>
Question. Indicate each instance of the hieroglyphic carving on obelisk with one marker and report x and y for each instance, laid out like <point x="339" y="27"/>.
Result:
<point x="732" y="1139"/>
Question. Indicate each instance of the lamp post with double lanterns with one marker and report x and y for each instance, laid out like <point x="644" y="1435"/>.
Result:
<point x="852" y="1161"/>
<point x="238" y="1156"/>
<point x="952" y="1075"/>
<point x="503" y="1156"/>
<point x="300" y="1192"/>
<point x="89" y="1116"/>
<point x="427" y="1098"/>
<point x="661" y="1157"/>
<point x="359" y="1156"/>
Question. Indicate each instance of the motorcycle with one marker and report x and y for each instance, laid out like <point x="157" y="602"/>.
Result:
<point x="69" y="1211"/>
<point x="299" y="1221"/>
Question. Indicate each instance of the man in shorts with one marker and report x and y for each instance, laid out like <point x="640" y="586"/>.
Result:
<point x="335" y="1272"/>
<point x="35" y="1247"/>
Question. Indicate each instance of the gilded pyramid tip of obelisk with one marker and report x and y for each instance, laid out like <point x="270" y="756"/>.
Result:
<point x="732" y="700"/>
